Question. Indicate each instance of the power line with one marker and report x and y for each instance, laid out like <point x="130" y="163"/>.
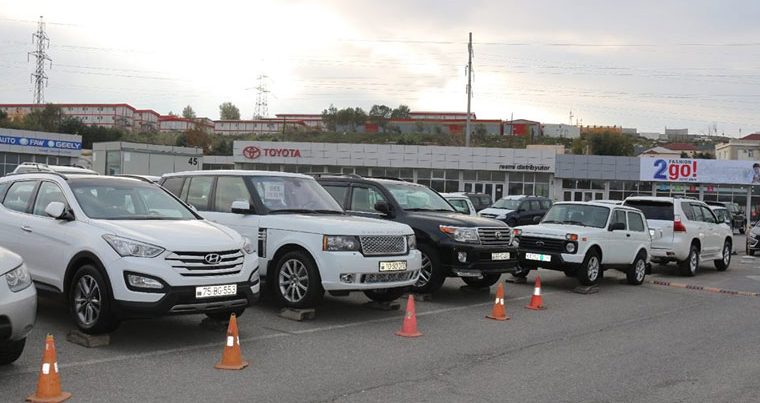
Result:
<point x="262" y="108"/>
<point x="42" y="42"/>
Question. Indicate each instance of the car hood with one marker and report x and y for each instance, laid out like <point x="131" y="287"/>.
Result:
<point x="495" y="211"/>
<point x="184" y="235"/>
<point x="555" y="230"/>
<point x="8" y="261"/>
<point x="336" y="224"/>
<point x="453" y="219"/>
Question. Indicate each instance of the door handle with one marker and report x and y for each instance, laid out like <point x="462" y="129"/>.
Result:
<point x="26" y="228"/>
<point x="628" y="235"/>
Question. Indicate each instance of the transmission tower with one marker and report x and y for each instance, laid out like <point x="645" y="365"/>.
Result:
<point x="41" y="43"/>
<point x="261" y="98"/>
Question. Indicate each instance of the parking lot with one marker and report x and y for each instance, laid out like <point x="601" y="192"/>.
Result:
<point x="624" y="343"/>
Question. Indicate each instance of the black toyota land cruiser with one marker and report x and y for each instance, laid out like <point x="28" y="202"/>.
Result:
<point x="452" y="244"/>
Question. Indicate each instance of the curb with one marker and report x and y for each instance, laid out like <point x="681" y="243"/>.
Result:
<point x="703" y="288"/>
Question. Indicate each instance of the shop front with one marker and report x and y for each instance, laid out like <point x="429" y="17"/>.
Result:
<point x="20" y="146"/>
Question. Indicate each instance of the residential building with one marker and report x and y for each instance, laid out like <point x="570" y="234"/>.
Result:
<point x="746" y="148"/>
<point x="171" y="123"/>
<point x="522" y="128"/>
<point x="560" y="130"/>
<point x="255" y="126"/>
<point x="660" y="152"/>
<point x="424" y="115"/>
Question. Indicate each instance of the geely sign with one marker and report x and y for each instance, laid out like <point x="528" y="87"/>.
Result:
<point x="40" y="143"/>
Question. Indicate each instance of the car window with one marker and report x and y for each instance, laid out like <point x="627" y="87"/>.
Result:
<point x="49" y="192"/>
<point x="653" y="209"/>
<point x="199" y="191"/>
<point x="338" y="193"/>
<point x="485" y="201"/>
<point x="125" y="200"/>
<point x="635" y="222"/>
<point x="535" y="205"/>
<point x="174" y="185"/>
<point x="230" y="189"/>
<point x="707" y="215"/>
<point x="698" y="214"/>
<point x="577" y="214"/>
<point x="19" y="195"/>
<point x="546" y="204"/>
<point x="460" y="205"/>
<point x="364" y="199"/>
<point x="525" y="206"/>
<point x="721" y="215"/>
<point x="3" y="186"/>
<point x="688" y="211"/>
<point x="618" y="217"/>
<point x="509" y="204"/>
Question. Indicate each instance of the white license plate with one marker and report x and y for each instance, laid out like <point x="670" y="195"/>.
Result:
<point x="215" y="291"/>
<point x="500" y="256"/>
<point x="538" y="257"/>
<point x="393" y="266"/>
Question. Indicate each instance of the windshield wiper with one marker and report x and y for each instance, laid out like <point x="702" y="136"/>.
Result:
<point x="329" y="212"/>
<point x="571" y="222"/>
<point x="551" y="222"/>
<point x="292" y="210"/>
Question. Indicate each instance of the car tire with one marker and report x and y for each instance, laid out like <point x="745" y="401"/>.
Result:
<point x="690" y="266"/>
<point x="386" y="294"/>
<point x="303" y="292"/>
<point x="511" y="222"/>
<point x="90" y="300"/>
<point x="11" y="351"/>
<point x="722" y="264"/>
<point x="224" y="316"/>
<point x="431" y="274"/>
<point x="521" y="272"/>
<point x="638" y="271"/>
<point x="482" y="282"/>
<point x="570" y="273"/>
<point x="590" y="271"/>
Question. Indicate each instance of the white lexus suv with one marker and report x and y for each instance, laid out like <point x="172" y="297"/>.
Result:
<point x="584" y="239"/>
<point x="687" y="231"/>
<point x="307" y="244"/>
<point x="118" y="248"/>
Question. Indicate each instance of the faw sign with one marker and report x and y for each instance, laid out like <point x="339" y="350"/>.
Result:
<point x="253" y="152"/>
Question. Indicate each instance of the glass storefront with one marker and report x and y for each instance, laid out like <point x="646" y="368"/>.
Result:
<point x="9" y="161"/>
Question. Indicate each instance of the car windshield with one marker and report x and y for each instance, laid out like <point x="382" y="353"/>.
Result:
<point x="285" y="194"/>
<point x="577" y="214"/>
<point x="460" y="205"/>
<point x="127" y="200"/>
<point x="417" y="198"/>
<point x="507" y="204"/>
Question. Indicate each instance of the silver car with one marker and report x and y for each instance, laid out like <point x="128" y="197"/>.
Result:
<point x="18" y="306"/>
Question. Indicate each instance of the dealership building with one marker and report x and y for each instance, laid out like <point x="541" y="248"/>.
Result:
<point x="19" y="146"/>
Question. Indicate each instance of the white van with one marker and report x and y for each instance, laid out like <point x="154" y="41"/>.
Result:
<point x="306" y="242"/>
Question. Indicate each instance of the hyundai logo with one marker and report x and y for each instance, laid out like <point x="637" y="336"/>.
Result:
<point x="212" y="258"/>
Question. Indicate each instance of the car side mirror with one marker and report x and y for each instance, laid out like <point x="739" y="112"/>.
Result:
<point x="383" y="207"/>
<point x="58" y="211"/>
<point x="241" y="207"/>
<point x="618" y="226"/>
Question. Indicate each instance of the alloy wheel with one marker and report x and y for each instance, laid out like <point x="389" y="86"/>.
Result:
<point x="293" y="280"/>
<point x="426" y="272"/>
<point x="87" y="300"/>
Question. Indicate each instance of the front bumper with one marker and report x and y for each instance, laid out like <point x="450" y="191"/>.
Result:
<point x="352" y="271"/>
<point x="753" y="243"/>
<point x="18" y="311"/>
<point x="478" y="259"/>
<point x="559" y="261"/>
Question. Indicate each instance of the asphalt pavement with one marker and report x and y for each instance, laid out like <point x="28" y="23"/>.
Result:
<point x="646" y="343"/>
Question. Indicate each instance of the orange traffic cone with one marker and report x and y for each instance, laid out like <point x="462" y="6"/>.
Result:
<point x="409" y="327"/>
<point x="231" y="357"/>
<point x="49" y="382"/>
<point x="499" y="312"/>
<point x="536" y="302"/>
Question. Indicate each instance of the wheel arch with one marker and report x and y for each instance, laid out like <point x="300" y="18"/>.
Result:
<point x="284" y="249"/>
<point x="79" y="260"/>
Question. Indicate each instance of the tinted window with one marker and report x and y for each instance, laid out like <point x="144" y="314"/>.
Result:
<point x="416" y="197"/>
<point x="49" y="192"/>
<point x="509" y="204"/>
<point x="485" y="201"/>
<point x="230" y="189"/>
<point x="3" y="186"/>
<point x="338" y="193"/>
<point x="460" y="205"/>
<point x="19" y="195"/>
<point x="721" y="215"/>
<point x="174" y="185"/>
<point x="687" y="210"/>
<point x="200" y="191"/>
<point x="618" y="217"/>
<point x="707" y="215"/>
<point x="635" y="222"/>
<point x="535" y="205"/>
<point x="653" y="210"/>
<point x="698" y="213"/>
<point x="364" y="199"/>
<point x="546" y="204"/>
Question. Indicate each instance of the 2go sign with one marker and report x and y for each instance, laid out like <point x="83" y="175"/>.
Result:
<point x="675" y="170"/>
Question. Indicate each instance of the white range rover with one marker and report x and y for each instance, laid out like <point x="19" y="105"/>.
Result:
<point x="307" y="244"/>
<point x="584" y="239"/>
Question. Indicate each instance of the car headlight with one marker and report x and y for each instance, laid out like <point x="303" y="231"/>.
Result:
<point x="570" y="247"/>
<point x="129" y="247"/>
<point x="411" y="242"/>
<point x="501" y="217"/>
<point x="248" y="246"/>
<point x="18" y="278"/>
<point x="460" y="234"/>
<point x="340" y="243"/>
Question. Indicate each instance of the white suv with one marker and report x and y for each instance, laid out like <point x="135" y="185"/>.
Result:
<point x="18" y="306"/>
<point x="584" y="239"/>
<point x="118" y="248"/>
<point x="306" y="242"/>
<point x="686" y="232"/>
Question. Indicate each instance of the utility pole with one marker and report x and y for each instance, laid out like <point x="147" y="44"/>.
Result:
<point x="261" y="98"/>
<point x="42" y="43"/>
<point x="467" y="128"/>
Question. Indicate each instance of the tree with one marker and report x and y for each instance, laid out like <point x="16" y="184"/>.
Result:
<point x="46" y="119"/>
<point x="684" y="154"/>
<point x="3" y="116"/>
<point x="359" y="117"/>
<point x="228" y="111"/>
<point x="402" y="112"/>
<point x="379" y="115"/>
<point x="330" y="117"/>
<point x="188" y="112"/>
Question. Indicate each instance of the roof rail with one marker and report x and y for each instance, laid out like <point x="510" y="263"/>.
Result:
<point x="323" y="174"/>
<point x="392" y="178"/>
<point x="41" y="171"/>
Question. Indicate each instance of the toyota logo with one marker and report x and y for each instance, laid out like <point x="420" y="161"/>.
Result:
<point x="251" y="152"/>
<point x="212" y="258"/>
<point x="497" y="235"/>
<point x="540" y="243"/>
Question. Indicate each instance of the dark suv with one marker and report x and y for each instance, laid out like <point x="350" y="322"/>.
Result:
<point x="737" y="217"/>
<point x="453" y="245"/>
<point x="518" y="210"/>
<point x="479" y="200"/>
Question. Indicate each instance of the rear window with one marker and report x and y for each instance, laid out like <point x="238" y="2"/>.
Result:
<point x="653" y="210"/>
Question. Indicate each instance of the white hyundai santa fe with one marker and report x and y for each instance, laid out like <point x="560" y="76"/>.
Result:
<point x="307" y="244"/>
<point x="118" y="248"/>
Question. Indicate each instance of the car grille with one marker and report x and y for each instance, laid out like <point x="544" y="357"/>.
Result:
<point x="542" y="244"/>
<point x="486" y="215"/>
<point x="498" y="236"/>
<point x="388" y="277"/>
<point x="196" y="264"/>
<point x="383" y="245"/>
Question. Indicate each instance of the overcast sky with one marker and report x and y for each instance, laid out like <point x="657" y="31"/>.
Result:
<point x="642" y="64"/>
